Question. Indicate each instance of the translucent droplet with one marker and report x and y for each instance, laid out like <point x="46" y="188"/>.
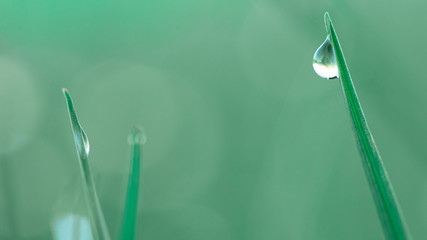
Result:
<point x="137" y="136"/>
<point x="80" y="138"/>
<point x="82" y="141"/>
<point x="324" y="61"/>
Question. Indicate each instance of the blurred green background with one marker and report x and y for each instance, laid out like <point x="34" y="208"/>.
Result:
<point x="245" y="141"/>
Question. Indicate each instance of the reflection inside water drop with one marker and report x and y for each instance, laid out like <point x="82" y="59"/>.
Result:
<point x="324" y="61"/>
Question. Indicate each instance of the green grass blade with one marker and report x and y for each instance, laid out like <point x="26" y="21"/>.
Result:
<point x="136" y="140"/>
<point x="8" y="197"/>
<point x="392" y="220"/>
<point x="99" y="226"/>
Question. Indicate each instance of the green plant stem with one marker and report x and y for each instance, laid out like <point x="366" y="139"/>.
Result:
<point x="99" y="226"/>
<point x="392" y="220"/>
<point x="9" y="198"/>
<point x="131" y="205"/>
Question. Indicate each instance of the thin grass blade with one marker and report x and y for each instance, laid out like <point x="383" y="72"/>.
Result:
<point x="8" y="198"/>
<point x="136" y="139"/>
<point x="100" y="230"/>
<point x="392" y="220"/>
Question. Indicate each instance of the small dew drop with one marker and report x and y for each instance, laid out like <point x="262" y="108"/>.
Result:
<point x="82" y="142"/>
<point x="324" y="61"/>
<point x="137" y="136"/>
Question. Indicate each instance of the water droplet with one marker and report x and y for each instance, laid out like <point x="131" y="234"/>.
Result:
<point x="82" y="141"/>
<point x="80" y="137"/>
<point x="324" y="61"/>
<point x="137" y="136"/>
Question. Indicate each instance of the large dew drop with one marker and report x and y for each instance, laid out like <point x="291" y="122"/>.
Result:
<point x="324" y="61"/>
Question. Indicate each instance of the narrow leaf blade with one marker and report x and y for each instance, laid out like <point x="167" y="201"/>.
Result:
<point x="392" y="220"/>
<point x="136" y="140"/>
<point x="100" y="230"/>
